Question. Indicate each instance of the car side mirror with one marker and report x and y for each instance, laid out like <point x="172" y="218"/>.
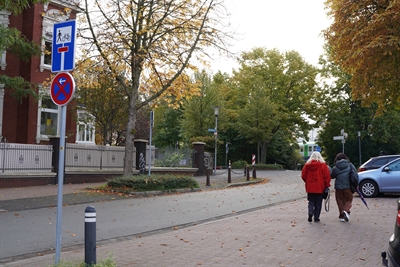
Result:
<point x="386" y="169"/>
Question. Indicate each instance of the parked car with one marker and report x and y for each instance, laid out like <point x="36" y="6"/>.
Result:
<point x="377" y="162"/>
<point x="393" y="251"/>
<point x="385" y="179"/>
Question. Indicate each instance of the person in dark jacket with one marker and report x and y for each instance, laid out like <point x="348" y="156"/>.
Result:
<point x="316" y="176"/>
<point x="343" y="194"/>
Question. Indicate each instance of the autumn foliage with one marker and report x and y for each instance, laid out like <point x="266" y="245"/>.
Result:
<point x="364" y="39"/>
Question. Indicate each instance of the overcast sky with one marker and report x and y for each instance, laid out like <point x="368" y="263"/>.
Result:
<point x="282" y="24"/>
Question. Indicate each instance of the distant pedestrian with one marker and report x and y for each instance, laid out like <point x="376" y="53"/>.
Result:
<point x="316" y="176"/>
<point x="343" y="194"/>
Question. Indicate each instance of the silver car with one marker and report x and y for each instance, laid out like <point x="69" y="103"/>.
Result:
<point x="386" y="179"/>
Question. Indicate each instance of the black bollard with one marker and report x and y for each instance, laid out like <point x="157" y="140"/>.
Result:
<point x="90" y="235"/>
<point x="229" y="173"/>
<point x="254" y="172"/>
<point x="248" y="173"/>
<point x="208" y="178"/>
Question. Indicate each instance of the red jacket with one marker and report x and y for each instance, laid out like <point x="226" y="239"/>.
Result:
<point x="317" y="177"/>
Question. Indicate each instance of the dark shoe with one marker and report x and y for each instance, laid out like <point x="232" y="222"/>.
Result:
<point x="310" y="217"/>
<point x="317" y="220"/>
<point x="346" y="216"/>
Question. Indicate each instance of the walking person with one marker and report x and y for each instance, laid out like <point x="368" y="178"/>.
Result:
<point x="316" y="176"/>
<point x="343" y="194"/>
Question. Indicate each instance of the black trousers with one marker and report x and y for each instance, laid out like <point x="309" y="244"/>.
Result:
<point x="314" y="204"/>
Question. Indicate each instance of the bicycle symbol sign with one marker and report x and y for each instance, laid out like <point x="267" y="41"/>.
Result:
<point x="64" y="35"/>
<point x="63" y="46"/>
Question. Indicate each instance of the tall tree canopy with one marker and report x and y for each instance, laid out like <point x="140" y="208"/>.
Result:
<point x="338" y="110"/>
<point x="280" y="85"/>
<point x="365" y="42"/>
<point x="153" y="41"/>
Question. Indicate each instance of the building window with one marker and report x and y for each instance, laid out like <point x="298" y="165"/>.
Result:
<point x="4" y="21"/>
<point x="50" y="17"/>
<point x="49" y="118"/>
<point x="85" y="128"/>
<point x="47" y="53"/>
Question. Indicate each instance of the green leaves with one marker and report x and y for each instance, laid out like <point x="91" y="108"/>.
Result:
<point x="21" y="88"/>
<point x="12" y="40"/>
<point x="17" y="6"/>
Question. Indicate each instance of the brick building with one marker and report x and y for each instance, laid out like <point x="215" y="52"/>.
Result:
<point x="34" y="121"/>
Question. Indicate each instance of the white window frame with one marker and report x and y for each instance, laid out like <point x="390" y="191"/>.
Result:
<point x="86" y="124"/>
<point x="41" y="109"/>
<point x="50" y="17"/>
<point x="4" y="21"/>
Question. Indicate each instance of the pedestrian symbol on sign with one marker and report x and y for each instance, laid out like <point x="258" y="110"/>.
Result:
<point x="63" y="46"/>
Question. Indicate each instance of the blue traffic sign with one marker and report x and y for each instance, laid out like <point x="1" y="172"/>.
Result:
<point x="318" y="149"/>
<point x="63" y="46"/>
<point x="62" y="88"/>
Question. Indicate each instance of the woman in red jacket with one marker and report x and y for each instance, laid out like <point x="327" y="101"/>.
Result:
<point x="316" y="176"/>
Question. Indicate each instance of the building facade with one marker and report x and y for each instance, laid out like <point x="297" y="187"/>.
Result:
<point x="33" y="121"/>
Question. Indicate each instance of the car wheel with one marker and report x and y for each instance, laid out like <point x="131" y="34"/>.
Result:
<point x="369" y="188"/>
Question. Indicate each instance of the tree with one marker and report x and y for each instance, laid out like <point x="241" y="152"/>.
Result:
<point x="338" y="110"/>
<point x="153" y="42"/>
<point x="101" y="97"/>
<point x="258" y="121"/>
<point x="166" y="131"/>
<point x="364" y="39"/>
<point x="272" y="93"/>
<point x="14" y="42"/>
<point x="198" y="111"/>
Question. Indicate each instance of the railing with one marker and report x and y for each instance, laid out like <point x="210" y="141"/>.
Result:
<point x="23" y="157"/>
<point x="94" y="157"/>
<point x="38" y="158"/>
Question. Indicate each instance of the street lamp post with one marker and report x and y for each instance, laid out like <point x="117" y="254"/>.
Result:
<point x="359" y="146"/>
<point x="216" y="110"/>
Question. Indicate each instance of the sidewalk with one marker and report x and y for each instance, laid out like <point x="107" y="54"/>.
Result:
<point x="278" y="235"/>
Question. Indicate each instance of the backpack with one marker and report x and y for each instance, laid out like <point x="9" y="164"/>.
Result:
<point x="353" y="177"/>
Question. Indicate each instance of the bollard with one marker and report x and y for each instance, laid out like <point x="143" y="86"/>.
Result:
<point x="208" y="178"/>
<point x="254" y="172"/>
<point x="248" y="173"/>
<point x="90" y="235"/>
<point x="229" y="173"/>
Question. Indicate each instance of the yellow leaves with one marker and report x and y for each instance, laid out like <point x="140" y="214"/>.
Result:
<point x="364" y="44"/>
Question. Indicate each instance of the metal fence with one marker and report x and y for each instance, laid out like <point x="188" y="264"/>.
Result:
<point x="94" y="157"/>
<point x="38" y="158"/>
<point x="171" y="157"/>
<point x="23" y="157"/>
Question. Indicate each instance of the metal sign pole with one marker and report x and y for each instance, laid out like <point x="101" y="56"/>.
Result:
<point x="60" y="176"/>
<point x="151" y="129"/>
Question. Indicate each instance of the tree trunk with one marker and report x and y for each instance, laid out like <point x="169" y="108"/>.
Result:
<point x="264" y="153"/>
<point x="130" y="136"/>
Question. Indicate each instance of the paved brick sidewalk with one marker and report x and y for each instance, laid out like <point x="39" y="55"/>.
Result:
<point x="275" y="236"/>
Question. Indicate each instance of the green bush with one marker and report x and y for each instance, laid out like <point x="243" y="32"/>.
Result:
<point x="159" y="182"/>
<point x="239" y="164"/>
<point x="261" y="166"/>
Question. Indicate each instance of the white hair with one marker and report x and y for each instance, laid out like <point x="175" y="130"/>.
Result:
<point x="316" y="156"/>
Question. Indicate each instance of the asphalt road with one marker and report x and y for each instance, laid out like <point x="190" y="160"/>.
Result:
<point x="32" y="230"/>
